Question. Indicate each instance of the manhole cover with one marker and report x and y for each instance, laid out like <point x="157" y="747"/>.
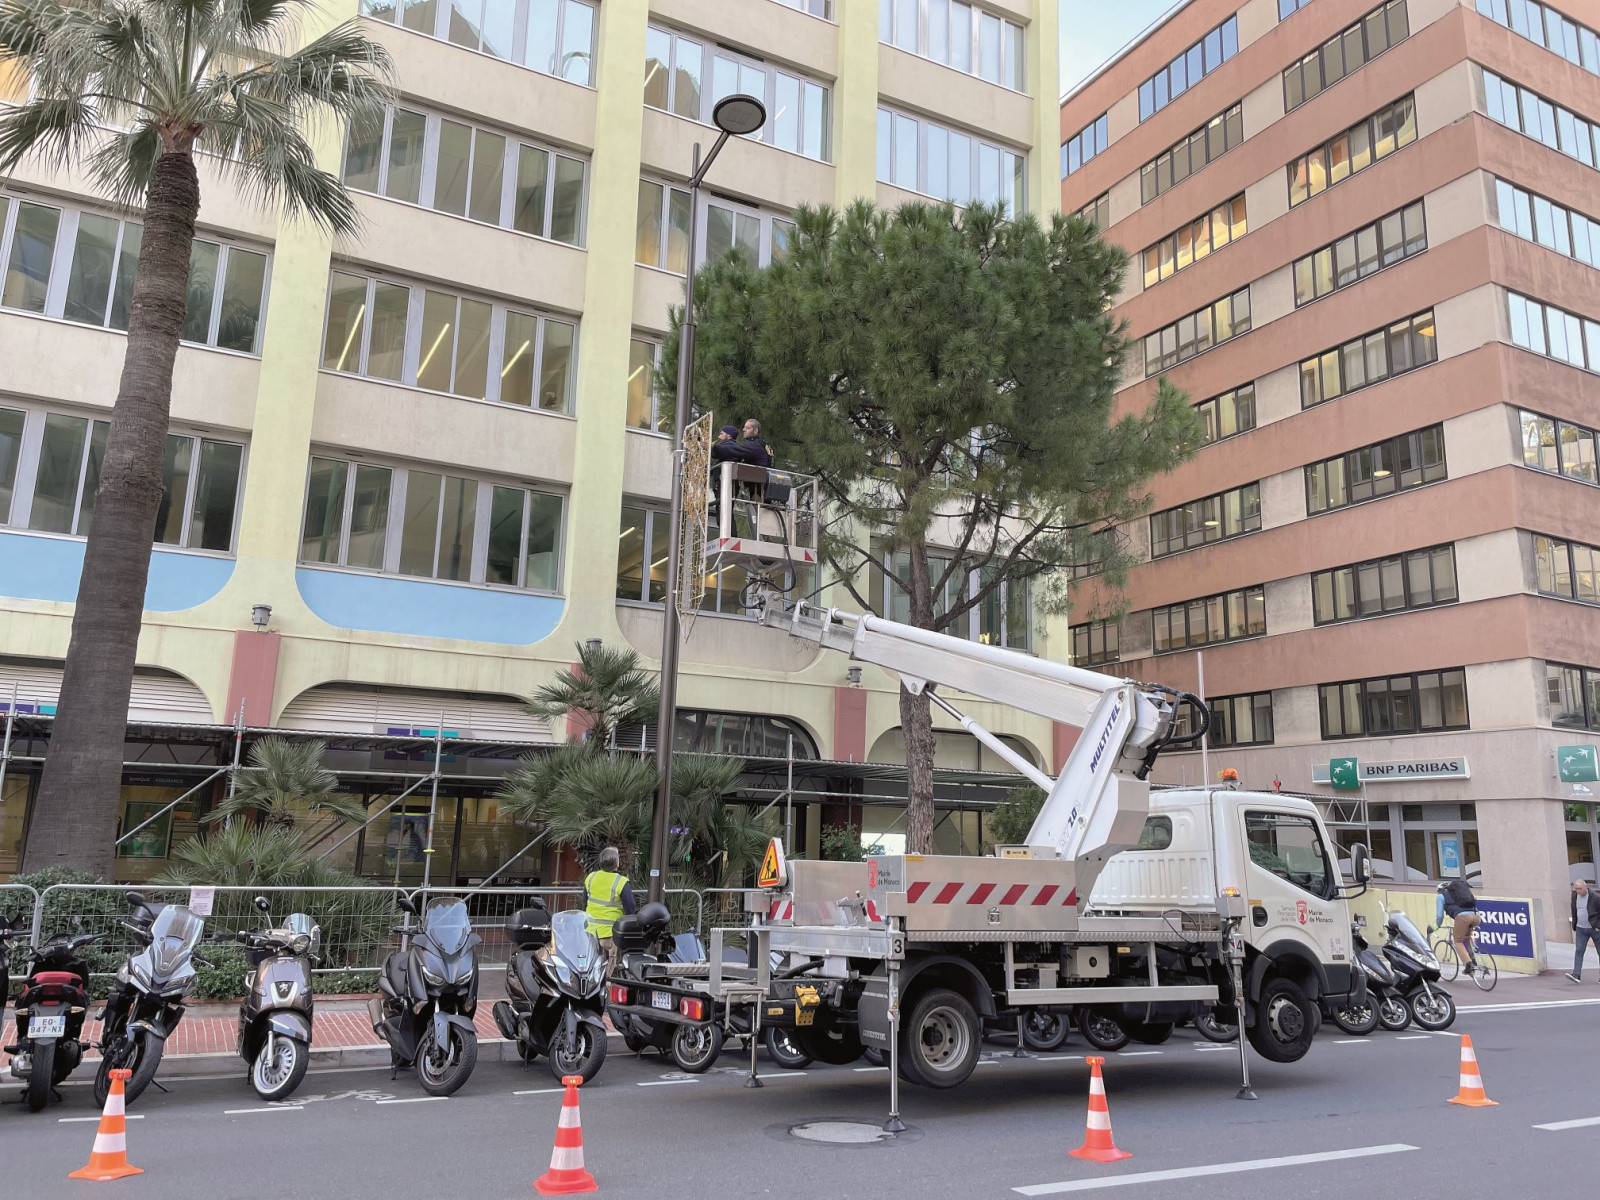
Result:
<point x="840" y="1133"/>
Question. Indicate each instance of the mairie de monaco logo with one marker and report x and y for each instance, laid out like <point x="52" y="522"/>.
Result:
<point x="1300" y="910"/>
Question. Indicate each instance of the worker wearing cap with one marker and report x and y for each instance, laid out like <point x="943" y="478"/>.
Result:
<point x="608" y="898"/>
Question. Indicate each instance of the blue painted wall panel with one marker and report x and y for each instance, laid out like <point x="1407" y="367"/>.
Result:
<point x="422" y="608"/>
<point x="48" y="568"/>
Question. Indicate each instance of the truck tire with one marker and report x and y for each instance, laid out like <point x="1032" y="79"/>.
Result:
<point x="1286" y="1022"/>
<point x="1100" y="1031"/>
<point x="1151" y="1033"/>
<point x="940" y="1044"/>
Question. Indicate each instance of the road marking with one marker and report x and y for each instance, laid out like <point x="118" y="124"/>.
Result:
<point x="1360" y="1041"/>
<point x="859" y="1070"/>
<point x="1061" y="1058"/>
<point x="1254" y="1164"/>
<point x="665" y="1082"/>
<point x="1136" y="1053"/>
<point x="982" y="1062"/>
<point x="411" y="1100"/>
<point x="1489" y="1008"/>
<point x="234" y="1112"/>
<point x="128" y="1117"/>
<point x="539" y="1092"/>
<point x="1556" y="1126"/>
<point x="1223" y="1048"/>
<point x="1414" y="1037"/>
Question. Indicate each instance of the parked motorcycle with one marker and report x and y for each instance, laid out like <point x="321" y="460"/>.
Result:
<point x="643" y="940"/>
<point x="1384" y="1006"/>
<point x="148" y="997"/>
<point x="428" y="995"/>
<point x="556" y="983"/>
<point x="50" y="1011"/>
<point x="1209" y="1026"/>
<point x="276" y="1013"/>
<point x="1417" y="973"/>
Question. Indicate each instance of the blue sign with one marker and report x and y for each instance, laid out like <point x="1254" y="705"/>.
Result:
<point x="1506" y="927"/>
<point x="1449" y="856"/>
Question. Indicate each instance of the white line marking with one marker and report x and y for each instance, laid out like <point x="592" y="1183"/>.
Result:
<point x="411" y="1100"/>
<point x="1254" y="1164"/>
<point x="982" y="1062"/>
<point x="1226" y="1049"/>
<point x="1061" y="1058"/>
<point x="665" y="1082"/>
<point x="1413" y="1037"/>
<point x="1361" y="1041"/>
<point x="539" y="1092"/>
<point x="1136" y="1053"/>
<point x="781" y="1072"/>
<point x="1489" y="1008"/>
<point x="126" y="1117"/>
<point x="234" y="1112"/>
<point x="859" y="1070"/>
<point x="1555" y="1126"/>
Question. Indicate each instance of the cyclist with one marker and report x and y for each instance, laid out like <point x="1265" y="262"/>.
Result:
<point x="1461" y="906"/>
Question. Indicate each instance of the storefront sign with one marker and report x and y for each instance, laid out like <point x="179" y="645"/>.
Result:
<point x="1506" y="927"/>
<point x="1577" y="764"/>
<point x="1340" y="771"/>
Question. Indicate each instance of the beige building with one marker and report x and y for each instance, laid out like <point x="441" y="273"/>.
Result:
<point x="433" y="450"/>
<point x="1365" y="241"/>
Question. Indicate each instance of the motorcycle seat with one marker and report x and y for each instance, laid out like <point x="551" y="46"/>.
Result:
<point x="56" y="979"/>
<point x="393" y="979"/>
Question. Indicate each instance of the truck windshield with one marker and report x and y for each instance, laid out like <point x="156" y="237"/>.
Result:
<point x="1290" y="846"/>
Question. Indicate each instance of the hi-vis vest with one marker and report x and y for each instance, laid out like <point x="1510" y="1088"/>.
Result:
<point x="604" y="907"/>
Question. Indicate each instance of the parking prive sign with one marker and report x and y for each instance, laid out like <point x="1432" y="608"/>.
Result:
<point x="1505" y="927"/>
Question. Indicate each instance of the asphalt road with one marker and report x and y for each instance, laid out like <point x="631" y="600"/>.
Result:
<point x="1370" y="1111"/>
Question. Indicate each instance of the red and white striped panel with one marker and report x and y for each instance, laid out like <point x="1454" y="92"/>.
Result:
<point x="739" y="546"/>
<point x="781" y="910"/>
<point x="1001" y="895"/>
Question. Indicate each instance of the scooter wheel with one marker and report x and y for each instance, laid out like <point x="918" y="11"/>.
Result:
<point x="279" y="1067"/>
<point x="1434" y="1012"/>
<point x="784" y="1050"/>
<point x="44" y="1061"/>
<point x="1394" y="1014"/>
<point x="1045" y="1030"/>
<point x="696" y="1047"/>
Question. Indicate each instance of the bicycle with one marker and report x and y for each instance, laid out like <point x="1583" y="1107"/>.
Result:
<point x="1487" y="973"/>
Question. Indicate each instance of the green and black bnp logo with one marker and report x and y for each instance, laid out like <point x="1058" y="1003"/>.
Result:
<point x="1344" y="774"/>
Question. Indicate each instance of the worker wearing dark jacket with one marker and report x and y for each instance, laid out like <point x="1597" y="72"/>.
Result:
<point x="748" y="449"/>
<point x="1585" y="925"/>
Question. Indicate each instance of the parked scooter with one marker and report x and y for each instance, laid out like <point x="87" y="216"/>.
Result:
<point x="556" y="981"/>
<point x="275" y="1015"/>
<point x="50" y="1012"/>
<point x="642" y="940"/>
<point x="1385" y="1006"/>
<point x="147" y="1000"/>
<point x="429" y="993"/>
<point x="1417" y="973"/>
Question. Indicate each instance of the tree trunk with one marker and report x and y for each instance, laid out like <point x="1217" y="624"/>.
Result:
<point x="74" y="821"/>
<point x="916" y="723"/>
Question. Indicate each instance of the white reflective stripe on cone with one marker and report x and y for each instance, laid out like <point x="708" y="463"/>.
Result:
<point x="1099" y="1120"/>
<point x="114" y="1105"/>
<point x="569" y="1117"/>
<point x="110" y="1143"/>
<point x="567" y="1158"/>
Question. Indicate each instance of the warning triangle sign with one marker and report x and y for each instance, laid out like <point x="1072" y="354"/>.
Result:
<point x="774" y="868"/>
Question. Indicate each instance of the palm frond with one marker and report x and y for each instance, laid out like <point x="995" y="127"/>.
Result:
<point x="57" y="131"/>
<point x="608" y="688"/>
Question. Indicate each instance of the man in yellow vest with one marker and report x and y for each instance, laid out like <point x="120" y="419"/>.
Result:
<point x="609" y="897"/>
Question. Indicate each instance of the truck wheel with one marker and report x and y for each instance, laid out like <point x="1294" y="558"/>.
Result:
<point x="829" y="1042"/>
<point x="1285" y="1022"/>
<point x="940" y="1044"/>
<point x="1151" y="1033"/>
<point x="784" y="1050"/>
<point x="1100" y="1031"/>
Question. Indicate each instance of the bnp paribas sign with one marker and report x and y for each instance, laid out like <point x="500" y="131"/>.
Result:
<point x="1349" y="774"/>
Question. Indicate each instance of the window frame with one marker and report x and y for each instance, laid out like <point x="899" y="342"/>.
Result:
<point x="1325" y="262"/>
<point x="888" y="154"/>
<point x="1102" y="641"/>
<point x="520" y="35"/>
<point x="1408" y="603"/>
<point x="1580" y="45"/>
<point x="1242" y="599"/>
<point x="1229" y="215"/>
<point x="1220" y="42"/>
<point x="1541" y="119"/>
<point x="1212" y="419"/>
<point x="1361" y="28"/>
<point x="1552" y="449"/>
<point x="1012" y="73"/>
<point x="1097" y="212"/>
<point x="1355" y="472"/>
<point x="1314" y="372"/>
<point x="1194" y="514"/>
<point x="1557" y="328"/>
<point x="1588" y="690"/>
<point x="1521" y="213"/>
<point x="1152" y="181"/>
<point x="1083" y="147"/>
<point x="1300" y="170"/>
<point x="1189" y="325"/>
<point x="1367" y="690"/>
<point x="1568" y="551"/>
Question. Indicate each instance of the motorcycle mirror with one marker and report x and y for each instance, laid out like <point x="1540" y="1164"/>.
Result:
<point x="135" y="898"/>
<point x="405" y="904"/>
<point x="261" y="903"/>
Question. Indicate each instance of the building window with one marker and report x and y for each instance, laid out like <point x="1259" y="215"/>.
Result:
<point x="1287" y="8"/>
<point x="644" y="403"/>
<point x="799" y="112"/>
<point x="1002" y="618"/>
<point x="1189" y="68"/>
<point x="1195" y="241"/>
<point x="663" y="227"/>
<point x="1531" y="114"/>
<point x="1574" y="695"/>
<point x="1540" y="23"/>
<point x="1398" y="704"/>
<point x="1395" y="465"/>
<point x="1539" y="220"/>
<point x="1567" y="569"/>
<point x="1344" y="53"/>
<point x="1559" y="447"/>
<point x="1368" y="250"/>
<point x="1095" y="642"/>
<point x="1082" y="146"/>
<point x="1554" y="333"/>
<point x="1372" y="358"/>
<point x="50" y="470"/>
<point x="553" y="37"/>
<point x="431" y="339"/>
<point x="1228" y="414"/>
<point x="1098" y="212"/>
<point x="1198" y="332"/>
<point x="419" y="158"/>
<point x="1202" y="147"/>
<point x="1201" y="522"/>
<point x="79" y="266"/>
<point x="642" y="567"/>
<point x="1240" y="721"/>
<point x="1418" y="579"/>
<point x="1222" y="618"/>
<point x="406" y="521"/>
<point x="919" y="156"/>
<point x="662" y="234"/>
<point x="958" y="35"/>
<point x="817" y="8"/>
<point x="1357" y="148"/>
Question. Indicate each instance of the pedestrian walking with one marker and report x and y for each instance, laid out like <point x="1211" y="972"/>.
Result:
<point x="1585" y="926"/>
<point x="608" y="898"/>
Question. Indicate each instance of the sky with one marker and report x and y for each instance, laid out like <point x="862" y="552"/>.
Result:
<point x="1093" y="30"/>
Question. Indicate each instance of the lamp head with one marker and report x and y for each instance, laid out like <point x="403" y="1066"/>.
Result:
<point x="739" y="114"/>
<point x="260" y="614"/>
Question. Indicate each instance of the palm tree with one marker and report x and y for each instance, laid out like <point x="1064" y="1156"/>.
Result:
<point x="182" y="77"/>
<point x="286" y="777"/>
<point x="607" y="688"/>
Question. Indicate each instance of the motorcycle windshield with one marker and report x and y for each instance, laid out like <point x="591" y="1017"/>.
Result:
<point x="300" y="923"/>
<point x="1407" y="930"/>
<point x="569" y="931"/>
<point x="173" y="938"/>
<point x="447" y="926"/>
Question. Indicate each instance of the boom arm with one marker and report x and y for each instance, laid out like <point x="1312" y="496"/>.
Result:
<point x="1098" y="804"/>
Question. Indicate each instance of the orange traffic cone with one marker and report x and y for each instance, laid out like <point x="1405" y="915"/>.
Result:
<point x="1471" y="1090"/>
<point x="109" y="1159"/>
<point x="566" y="1174"/>
<point x="1097" y="1144"/>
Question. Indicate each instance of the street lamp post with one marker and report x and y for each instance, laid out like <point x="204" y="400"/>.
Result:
<point x="734" y="116"/>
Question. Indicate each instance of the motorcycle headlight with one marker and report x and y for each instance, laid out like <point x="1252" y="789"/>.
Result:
<point x="122" y="973"/>
<point x="430" y="977"/>
<point x="140" y="974"/>
<point x="562" y="970"/>
<point x="301" y="943"/>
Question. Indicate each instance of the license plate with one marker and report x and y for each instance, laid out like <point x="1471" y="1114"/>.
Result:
<point x="662" y="1000"/>
<point x="47" y="1027"/>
